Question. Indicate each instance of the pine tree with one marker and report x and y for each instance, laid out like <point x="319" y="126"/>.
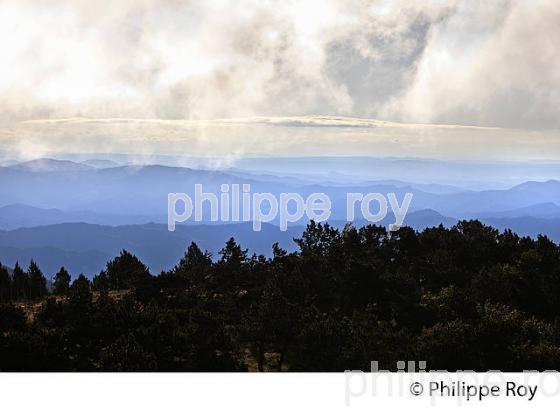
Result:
<point x="232" y="254"/>
<point x="5" y="284"/>
<point x="80" y="291"/>
<point x="125" y="271"/>
<point x="19" y="283"/>
<point x="62" y="282"/>
<point x="37" y="281"/>
<point x="101" y="282"/>
<point x="194" y="266"/>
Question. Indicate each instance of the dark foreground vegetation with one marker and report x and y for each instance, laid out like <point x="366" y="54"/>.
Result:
<point x="462" y="298"/>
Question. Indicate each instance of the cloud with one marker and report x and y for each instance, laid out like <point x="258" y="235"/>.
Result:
<point x="314" y="135"/>
<point x="489" y="63"/>
<point x="327" y="121"/>
<point x="166" y="59"/>
<point x="458" y="62"/>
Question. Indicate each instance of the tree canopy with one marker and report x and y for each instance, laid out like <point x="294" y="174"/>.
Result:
<point x="466" y="297"/>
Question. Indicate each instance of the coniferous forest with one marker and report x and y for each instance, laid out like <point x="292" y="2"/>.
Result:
<point x="463" y="298"/>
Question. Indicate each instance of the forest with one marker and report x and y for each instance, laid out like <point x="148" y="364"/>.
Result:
<point x="462" y="298"/>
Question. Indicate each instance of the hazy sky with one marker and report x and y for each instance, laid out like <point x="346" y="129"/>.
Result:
<point x="489" y="70"/>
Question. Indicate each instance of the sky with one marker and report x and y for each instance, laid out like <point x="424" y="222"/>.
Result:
<point x="472" y="79"/>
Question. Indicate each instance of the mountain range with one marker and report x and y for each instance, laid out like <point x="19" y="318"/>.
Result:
<point x="142" y="190"/>
<point x="85" y="248"/>
<point x="81" y="214"/>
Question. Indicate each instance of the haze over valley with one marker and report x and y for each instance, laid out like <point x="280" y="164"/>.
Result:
<point x="80" y="213"/>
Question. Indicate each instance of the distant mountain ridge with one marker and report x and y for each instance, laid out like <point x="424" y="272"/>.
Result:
<point x="465" y="174"/>
<point x="61" y="212"/>
<point x="543" y="210"/>
<point x="51" y="165"/>
<point x="86" y="248"/>
<point x="16" y="216"/>
<point x="143" y="190"/>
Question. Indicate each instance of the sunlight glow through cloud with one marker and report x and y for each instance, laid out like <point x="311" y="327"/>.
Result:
<point x="453" y="62"/>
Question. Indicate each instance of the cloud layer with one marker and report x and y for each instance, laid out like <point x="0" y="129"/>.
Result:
<point x="459" y="62"/>
<point x="468" y="78"/>
<point x="274" y="136"/>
